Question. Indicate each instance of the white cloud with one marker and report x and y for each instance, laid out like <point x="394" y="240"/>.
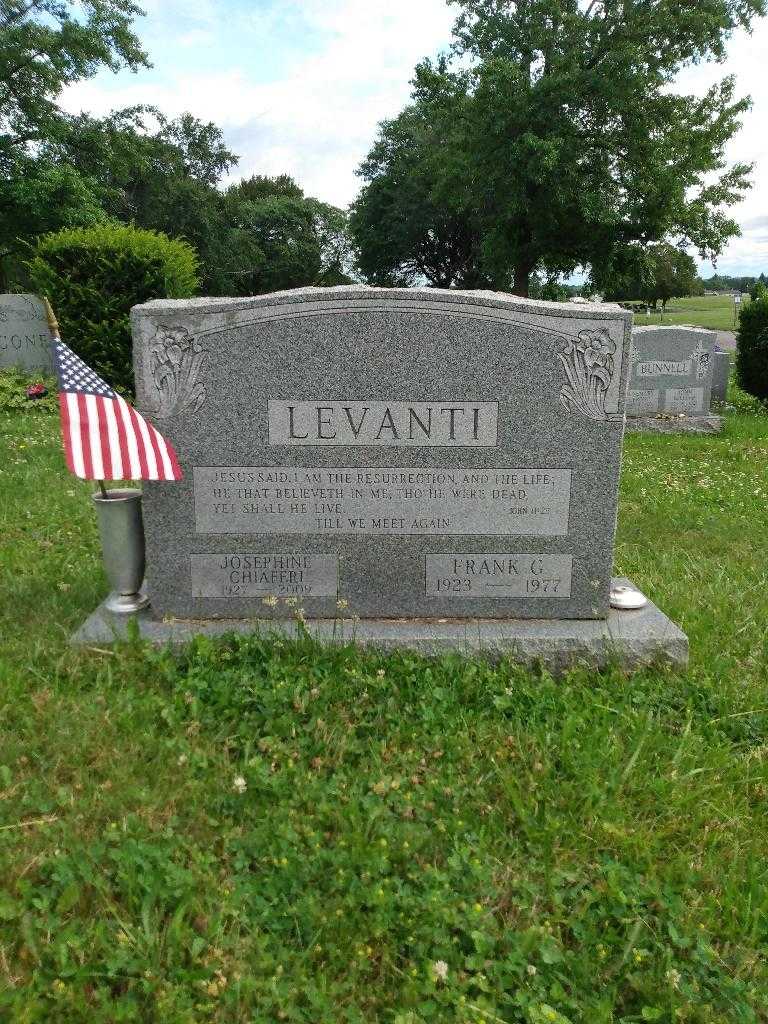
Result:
<point x="747" y="60"/>
<point x="317" y="119"/>
<point x="318" y="75"/>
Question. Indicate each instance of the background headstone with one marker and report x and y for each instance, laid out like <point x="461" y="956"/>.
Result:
<point x="671" y="371"/>
<point x="411" y="452"/>
<point x="25" y="339"/>
<point x="720" y="375"/>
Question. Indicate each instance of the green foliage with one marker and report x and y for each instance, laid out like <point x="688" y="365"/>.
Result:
<point x="279" y="238"/>
<point x="662" y="272"/>
<point x="137" y="166"/>
<point x="278" y="241"/>
<point x="259" y="187"/>
<point x="759" y="289"/>
<point x="336" y="257"/>
<point x="93" y="276"/>
<point x="728" y="283"/>
<point x="41" y="196"/>
<point x="410" y="223"/>
<point x="752" y="348"/>
<point x="555" y="140"/>
<point x="13" y="392"/>
<point x="48" y="44"/>
<point x="158" y="174"/>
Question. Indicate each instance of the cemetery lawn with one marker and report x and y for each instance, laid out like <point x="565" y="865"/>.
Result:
<point x="714" y="312"/>
<point x="252" y="831"/>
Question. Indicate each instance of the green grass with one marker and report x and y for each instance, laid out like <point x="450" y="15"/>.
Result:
<point x="591" y="849"/>
<point x="713" y="311"/>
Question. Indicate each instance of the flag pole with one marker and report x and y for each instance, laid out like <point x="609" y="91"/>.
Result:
<point x="53" y="326"/>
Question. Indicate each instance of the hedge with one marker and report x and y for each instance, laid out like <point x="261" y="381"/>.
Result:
<point x="93" y="276"/>
<point x="752" y="348"/>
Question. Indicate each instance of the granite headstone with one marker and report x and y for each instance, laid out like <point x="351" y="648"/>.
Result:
<point x="671" y="371"/>
<point x="409" y="452"/>
<point x="25" y="338"/>
<point x="720" y="374"/>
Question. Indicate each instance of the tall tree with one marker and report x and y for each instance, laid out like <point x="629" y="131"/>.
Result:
<point x="668" y="273"/>
<point x="412" y="221"/>
<point x="157" y="173"/>
<point x="557" y="129"/>
<point x="336" y="256"/>
<point x="284" y="238"/>
<point x="46" y="45"/>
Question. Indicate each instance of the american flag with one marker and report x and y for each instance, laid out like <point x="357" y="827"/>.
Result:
<point x="104" y="437"/>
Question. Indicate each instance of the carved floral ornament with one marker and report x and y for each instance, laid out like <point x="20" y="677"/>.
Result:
<point x="701" y="360"/>
<point x="175" y="359"/>
<point x="589" y="365"/>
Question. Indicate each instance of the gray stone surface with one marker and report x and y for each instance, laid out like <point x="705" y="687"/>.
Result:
<point x="720" y="374"/>
<point x="521" y="455"/>
<point x="25" y="340"/>
<point x="671" y="371"/>
<point x="711" y="424"/>
<point x="631" y="639"/>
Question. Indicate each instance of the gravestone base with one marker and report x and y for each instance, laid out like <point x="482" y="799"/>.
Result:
<point x="674" y="424"/>
<point x="631" y="639"/>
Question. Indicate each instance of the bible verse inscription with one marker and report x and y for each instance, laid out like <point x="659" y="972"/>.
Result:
<point x="382" y="501"/>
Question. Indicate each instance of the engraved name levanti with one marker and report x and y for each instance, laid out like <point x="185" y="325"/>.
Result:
<point x="376" y="501"/>
<point x="384" y="424"/>
<point x="498" y="575"/>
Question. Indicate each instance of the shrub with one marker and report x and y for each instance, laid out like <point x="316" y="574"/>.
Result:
<point x="14" y="385"/>
<point x="93" y="276"/>
<point x="752" y="348"/>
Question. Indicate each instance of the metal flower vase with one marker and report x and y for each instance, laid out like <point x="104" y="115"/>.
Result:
<point x="122" y="541"/>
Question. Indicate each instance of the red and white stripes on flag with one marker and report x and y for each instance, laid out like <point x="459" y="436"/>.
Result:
<point x="104" y="437"/>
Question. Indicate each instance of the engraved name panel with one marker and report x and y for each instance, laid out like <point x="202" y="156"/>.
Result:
<point x="386" y="424"/>
<point x="382" y="501"/>
<point x="25" y="338"/>
<point x="260" y="575"/>
<point x="683" y="399"/>
<point x="499" y="575"/>
<point x="665" y="368"/>
<point x="641" y="402"/>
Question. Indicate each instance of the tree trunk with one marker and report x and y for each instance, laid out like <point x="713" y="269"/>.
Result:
<point x="522" y="279"/>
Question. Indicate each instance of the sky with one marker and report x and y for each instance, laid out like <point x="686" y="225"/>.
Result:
<point x="299" y="86"/>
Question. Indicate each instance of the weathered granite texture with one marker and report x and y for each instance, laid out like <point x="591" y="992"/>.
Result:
<point x="671" y="371"/>
<point x="631" y="639"/>
<point x="25" y="339"/>
<point x="711" y="424"/>
<point x="720" y="375"/>
<point x="265" y="400"/>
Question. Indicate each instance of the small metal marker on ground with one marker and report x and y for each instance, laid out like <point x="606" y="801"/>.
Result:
<point x="627" y="598"/>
